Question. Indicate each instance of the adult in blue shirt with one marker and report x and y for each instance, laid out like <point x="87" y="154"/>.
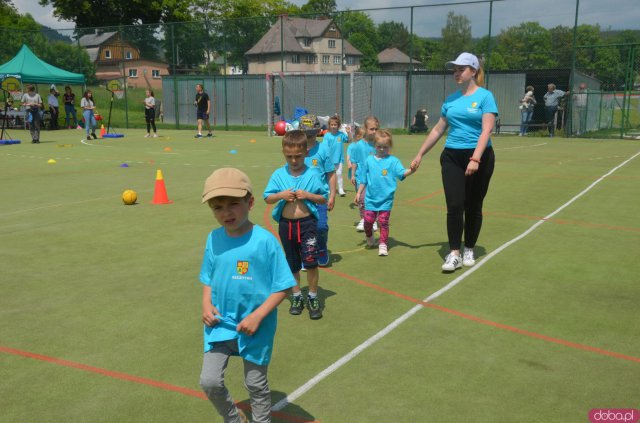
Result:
<point x="467" y="160"/>
<point x="551" y="102"/>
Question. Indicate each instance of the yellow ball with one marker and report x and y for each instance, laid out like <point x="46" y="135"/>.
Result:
<point x="129" y="197"/>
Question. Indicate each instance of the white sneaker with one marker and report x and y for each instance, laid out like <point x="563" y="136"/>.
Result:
<point x="360" y="226"/>
<point x="155" y="135"/>
<point x="371" y="242"/>
<point x="468" y="259"/>
<point x="375" y="226"/>
<point x="147" y="135"/>
<point x="341" y="192"/>
<point x="451" y="263"/>
<point x="382" y="250"/>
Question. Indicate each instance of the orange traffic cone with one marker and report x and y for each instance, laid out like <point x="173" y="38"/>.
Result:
<point x="102" y="131"/>
<point x="160" y="194"/>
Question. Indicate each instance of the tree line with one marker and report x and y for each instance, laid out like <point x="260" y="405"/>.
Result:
<point x="191" y="34"/>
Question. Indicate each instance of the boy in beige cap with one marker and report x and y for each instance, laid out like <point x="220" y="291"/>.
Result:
<point x="245" y="276"/>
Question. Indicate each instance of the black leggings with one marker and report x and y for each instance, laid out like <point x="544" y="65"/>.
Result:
<point x="150" y="118"/>
<point x="465" y="194"/>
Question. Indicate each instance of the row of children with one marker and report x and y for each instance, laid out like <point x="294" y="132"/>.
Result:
<point x="244" y="261"/>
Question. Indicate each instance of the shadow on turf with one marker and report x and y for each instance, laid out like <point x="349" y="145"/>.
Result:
<point x="301" y="415"/>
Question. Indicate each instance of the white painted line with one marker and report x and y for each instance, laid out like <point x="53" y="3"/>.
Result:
<point x="520" y="146"/>
<point x="366" y="344"/>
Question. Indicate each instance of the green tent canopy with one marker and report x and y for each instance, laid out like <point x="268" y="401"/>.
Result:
<point x="34" y="70"/>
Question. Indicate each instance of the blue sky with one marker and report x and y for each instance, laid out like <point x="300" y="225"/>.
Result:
<point x="615" y="14"/>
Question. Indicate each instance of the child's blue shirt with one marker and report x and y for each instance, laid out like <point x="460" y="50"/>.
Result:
<point x="380" y="177"/>
<point x="281" y="180"/>
<point x="318" y="158"/>
<point x="464" y="115"/>
<point x="334" y="144"/>
<point x="242" y="273"/>
<point x="361" y="151"/>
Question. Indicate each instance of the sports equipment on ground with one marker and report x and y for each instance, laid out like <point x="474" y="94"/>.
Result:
<point x="280" y="127"/>
<point x="129" y="197"/>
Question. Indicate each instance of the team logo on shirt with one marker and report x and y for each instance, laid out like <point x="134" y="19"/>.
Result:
<point x="242" y="267"/>
<point x="314" y="162"/>
<point x="473" y="108"/>
<point x="384" y="172"/>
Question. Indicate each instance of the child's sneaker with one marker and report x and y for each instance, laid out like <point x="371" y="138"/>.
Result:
<point x="198" y="136"/>
<point x="375" y="226"/>
<point x="341" y="192"/>
<point x="297" y="305"/>
<point x="147" y="135"/>
<point x="468" y="259"/>
<point x="451" y="263"/>
<point x="323" y="259"/>
<point x="371" y="242"/>
<point x="155" y="135"/>
<point x="209" y="134"/>
<point x="314" y="308"/>
<point x="360" y="226"/>
<point x="382" y="250"/>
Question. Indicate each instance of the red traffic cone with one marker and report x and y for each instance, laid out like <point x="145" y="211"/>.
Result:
<point x="160" y="194"/>
<point x="102" y="131"/>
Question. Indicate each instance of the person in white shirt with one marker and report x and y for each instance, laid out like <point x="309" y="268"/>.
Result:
<point x="32" y="102"/>
<point x="54" y="107"/>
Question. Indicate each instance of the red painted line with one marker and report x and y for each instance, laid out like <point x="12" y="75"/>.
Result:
<point x="426" y="197"/>
<point x="484" y="321"/>
<point x="139" y="380"/>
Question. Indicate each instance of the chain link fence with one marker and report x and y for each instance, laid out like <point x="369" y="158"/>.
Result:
<point x="171" y="58"/>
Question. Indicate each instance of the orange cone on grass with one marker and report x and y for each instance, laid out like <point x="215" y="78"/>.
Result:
<point x="102" y="131"/>
<point x="160" y="194"/>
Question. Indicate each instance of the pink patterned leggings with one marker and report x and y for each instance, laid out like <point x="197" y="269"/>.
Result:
<point x="383" y="223"/>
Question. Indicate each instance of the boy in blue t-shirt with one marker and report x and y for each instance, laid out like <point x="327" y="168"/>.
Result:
<point x="245" y="276"/>
<point x="297" y="191"/>
<point x="379" y="175"/>
<point x="319" y="158"/>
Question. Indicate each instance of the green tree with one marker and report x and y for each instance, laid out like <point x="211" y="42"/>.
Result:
<point x="360" y="30"/>
<point x="526" y="46"/>
<point x="318" y="8"/>
<point x="456" y="35"/>
<point x="393" y="34"/>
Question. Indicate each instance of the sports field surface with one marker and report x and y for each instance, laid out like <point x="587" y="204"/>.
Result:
<point x="100" y="302"/>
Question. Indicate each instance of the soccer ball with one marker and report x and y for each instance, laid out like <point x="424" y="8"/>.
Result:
<point x="129" y="197"/>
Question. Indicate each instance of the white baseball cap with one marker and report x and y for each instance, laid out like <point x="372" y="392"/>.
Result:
<point x="465" y="59"/>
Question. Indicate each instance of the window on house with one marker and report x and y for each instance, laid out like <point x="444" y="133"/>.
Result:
<point x="325" y="59"/>
<point x="311" y="59"/>
<point x="336" y="60"/>
<point x="295" y="58"/>
<point x="155" y="73"/>
<point x="307" y="42"/>
<point x="107" y="54"/>
<point x="351" y="60"/>
<point x="128" y="55"/>
<point x="332" y="43"/>
<point x="133" y="73"/>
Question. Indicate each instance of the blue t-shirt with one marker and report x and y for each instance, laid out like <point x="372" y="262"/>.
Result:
<point x="380" y="177"/>
<point x="350" y="152"/>
<point x="281" y="180"/>
<point x="361" y="151"/>
<point x="334" y="144"/>
<point x="318" y="158"/>
<point x="464" y="114"/>
<point x="242" y="273"/>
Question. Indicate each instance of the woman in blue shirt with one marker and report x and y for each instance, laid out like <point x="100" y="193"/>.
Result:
<point x="467" y="160"/>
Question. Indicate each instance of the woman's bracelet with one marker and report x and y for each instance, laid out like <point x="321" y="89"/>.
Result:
<point x="474" y="160"/>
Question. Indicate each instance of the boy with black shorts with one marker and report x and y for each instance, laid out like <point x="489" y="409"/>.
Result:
<point x="297" y="190"/>
<point x="203" y="103"/>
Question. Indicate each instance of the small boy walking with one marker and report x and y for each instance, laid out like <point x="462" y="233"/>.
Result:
<point x="297" y="190"/>
<point x="379" y="177"/>
<point x="245" y="276"/>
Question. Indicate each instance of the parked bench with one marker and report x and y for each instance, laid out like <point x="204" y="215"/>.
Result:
<point x="500" y="125"/>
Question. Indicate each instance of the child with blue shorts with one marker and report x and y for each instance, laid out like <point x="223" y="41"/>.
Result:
<point x="245" y="276"/>
<point x="297" y="190"/>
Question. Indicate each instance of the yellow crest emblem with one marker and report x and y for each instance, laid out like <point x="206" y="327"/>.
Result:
<point x="314" y="162"/>
<point x="384" y="172"/>
<point x="474" y="104"/>
<point x="242" y="267"/>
